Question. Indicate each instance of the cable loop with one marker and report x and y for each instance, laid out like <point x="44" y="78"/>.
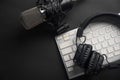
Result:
<point x="80" y="40"/>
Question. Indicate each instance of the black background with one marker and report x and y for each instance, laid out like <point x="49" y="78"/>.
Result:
<point x="33" y="55"/>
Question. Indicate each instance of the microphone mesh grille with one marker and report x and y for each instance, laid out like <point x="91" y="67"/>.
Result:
<point x="31" y="18"/>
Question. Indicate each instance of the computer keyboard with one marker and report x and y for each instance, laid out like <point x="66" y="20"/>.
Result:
<point x="104" y="37"/>
<point x="67" y="48"/>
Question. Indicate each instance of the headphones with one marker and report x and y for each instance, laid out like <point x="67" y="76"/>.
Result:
<point x="85" y="57"/>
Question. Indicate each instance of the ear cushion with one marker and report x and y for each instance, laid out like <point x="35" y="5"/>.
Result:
<point x="87" y="49"/>
<point x="78" y="53"/>
<point x="99" y="64"/>
<point x="82" y="54"/>
<point x="91" y="67"/>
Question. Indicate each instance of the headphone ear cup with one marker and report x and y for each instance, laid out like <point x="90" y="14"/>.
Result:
<point x="91" y="67"/>
<point x="78" y="53"/>
<point x="99" y="64"/>
<point x="82" y="54"/>
<point x="87" y="49"/>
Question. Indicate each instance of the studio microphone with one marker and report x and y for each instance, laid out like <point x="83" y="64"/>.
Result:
<point x="37" y="15"/>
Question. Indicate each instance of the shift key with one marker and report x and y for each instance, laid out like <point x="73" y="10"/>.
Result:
<point x="65" y="44"/>
<point x="66" y="50"/>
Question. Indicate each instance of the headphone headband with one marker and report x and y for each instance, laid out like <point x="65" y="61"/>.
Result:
<point x="89" y="19"/>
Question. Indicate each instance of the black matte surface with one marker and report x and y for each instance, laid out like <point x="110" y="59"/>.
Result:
<point x="33" y="55"/>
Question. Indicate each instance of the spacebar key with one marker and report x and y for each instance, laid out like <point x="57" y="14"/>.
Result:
<point x="65" y="44"/>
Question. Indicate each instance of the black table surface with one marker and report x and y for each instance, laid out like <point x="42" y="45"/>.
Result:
<point x="33" y="55"/>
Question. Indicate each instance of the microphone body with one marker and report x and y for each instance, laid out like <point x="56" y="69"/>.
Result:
<point x="37" y="15"/>
<point x="31" y="18"/>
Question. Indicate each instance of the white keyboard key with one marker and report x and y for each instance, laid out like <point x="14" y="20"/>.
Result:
<point x="65" y="44"/>
<point x="110" y="55"/>
<point x="96" y="26"/>
<point x="87" y="30"/>
<point x="103" y="51"/>
<point x="74" y="47"/>
<point x="88" y="41"/>
<point x="70" y="69"/>
<point x="69" y="63"/>
<point x="73" y="36"/>
<point x="66" y="57"/>
<point x="66" y="50"/>
<point x="105" y="44"/>
<point x="95" y="34"/>
<point x="107" y="36"/>
<point x="102" y="31"/>
<point x="60" y="37"/>
<point x="66" y="34"/>
<point x="117" y="53"/>
<point x="110" y="49"/>
<point x="72" y="32"/>
<point x="94" y="41"/>
<point x="94" y="48"/>
<point x="101" y="38"/>
<point x="98" y="46"/>
<point x="89" y="36"/>
<point x="93" y="26"/>
<point x="61" y="41"/>
<point x="66" y="38"/>
<point x="108" y="28"/>
<point x="114" y="27"/>
<point x="111" y="41"/>
<point x="74" y="41"/>
<point x="72" y="55"/>
<point x="117" y="47"/>
<point x="118" y="32"/>
<point x="100" y="25"/>
<point x="98" y="51"/>
<point x="117" y="39"/>
<point x="113" y="34"/>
